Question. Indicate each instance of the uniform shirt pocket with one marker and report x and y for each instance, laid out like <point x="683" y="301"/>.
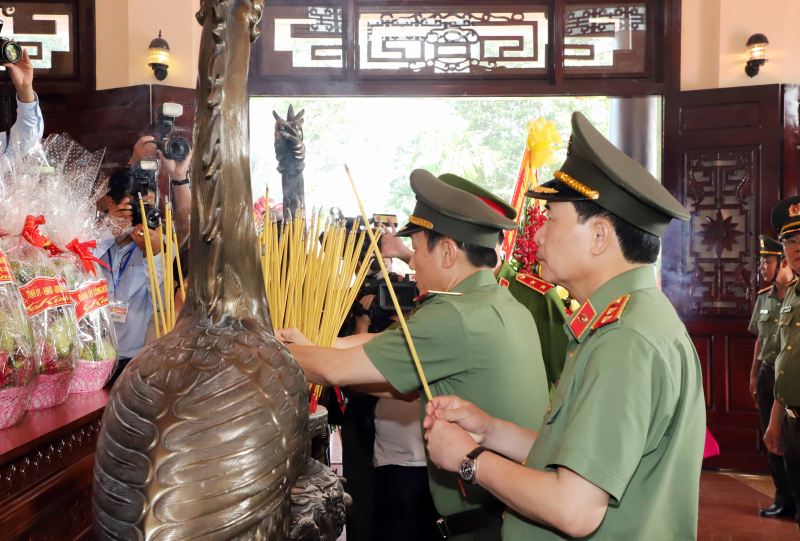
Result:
<point x="786" y="319"/>
<point x="764" y="323"/>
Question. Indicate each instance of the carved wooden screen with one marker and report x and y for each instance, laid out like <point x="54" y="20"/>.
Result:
<point x="722" y="159"/>
<point x="447" y="47"/>
<point x="59" y="38"/>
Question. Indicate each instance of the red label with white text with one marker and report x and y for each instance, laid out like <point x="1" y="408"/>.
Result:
<point x="43" y="293"/>
<point x="89" y="297"/>
<point x="6" y="276"/>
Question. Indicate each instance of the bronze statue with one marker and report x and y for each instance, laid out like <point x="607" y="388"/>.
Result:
<point x="206" y="432"/>
<point x="291" y="154"/>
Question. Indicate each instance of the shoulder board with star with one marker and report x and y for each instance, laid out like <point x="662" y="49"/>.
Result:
<point x="765" y="290"/>
<point x="534" y="283"/>
<point x="503" y="282"/>
<point x="612" y="312"/>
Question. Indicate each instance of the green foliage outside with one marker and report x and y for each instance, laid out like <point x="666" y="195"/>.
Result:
<point x="384" y="139"/>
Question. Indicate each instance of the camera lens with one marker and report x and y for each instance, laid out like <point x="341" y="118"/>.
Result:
<point x="10" y="51"/>
<point x="176" y="148"/>
<point x="154" y="218"/>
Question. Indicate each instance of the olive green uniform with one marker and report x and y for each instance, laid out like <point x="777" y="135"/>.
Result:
<point x="477" y="345"/>
<point x="548" y="313"/>
<point x="764" y="323"/>
<point x="787" y="387"/>
<point x="628" y="415"/>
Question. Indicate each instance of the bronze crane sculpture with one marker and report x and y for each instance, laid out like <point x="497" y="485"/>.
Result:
<point x="206" y="432"/>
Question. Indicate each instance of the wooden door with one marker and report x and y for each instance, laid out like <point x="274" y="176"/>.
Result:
<point x="723" y="152"/>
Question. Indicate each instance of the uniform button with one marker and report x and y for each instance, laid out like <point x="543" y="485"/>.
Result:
<point x="549" y="408"/>
<point x="571" y="354"/>
<point x="774" y="335"/>
<point x="782" y="400"/>
<point x="781" y="372"/>
<point x="789" y="347"/>
<point x="776" y="321"/>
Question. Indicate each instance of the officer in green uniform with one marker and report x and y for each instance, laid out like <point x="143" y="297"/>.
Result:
<point x="783" y="433"/>
<point x="474" y="340"/>
<point x="619" y="453"/>
<point x="776" y="271"/>
<point x="538" y="296"/>
<point x="544" y="304"/>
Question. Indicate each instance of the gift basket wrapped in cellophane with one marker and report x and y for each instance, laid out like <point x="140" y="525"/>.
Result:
<point x="70" y="193"/>
<point x="42" y="286"/>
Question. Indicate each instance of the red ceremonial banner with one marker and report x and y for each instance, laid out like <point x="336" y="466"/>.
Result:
<point x="89" y="297"/>
<point x="6" y="276"/>
<point x="42" y="293"/>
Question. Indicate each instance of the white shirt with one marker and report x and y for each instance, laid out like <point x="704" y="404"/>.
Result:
<point x="398" y="434"/>
<point x="27" y="130"/>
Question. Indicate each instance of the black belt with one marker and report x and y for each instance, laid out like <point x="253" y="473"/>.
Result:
<point x="469" y="521"/>
<point x="770" y="366"/>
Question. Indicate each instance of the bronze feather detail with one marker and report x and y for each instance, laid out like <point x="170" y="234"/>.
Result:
<point x="206" y="431"/>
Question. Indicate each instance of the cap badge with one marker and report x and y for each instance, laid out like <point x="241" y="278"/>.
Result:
<point x="794" y="210"/>
<point x="544" y="189"/>
<point x="762" y="243"/>
<point x="578" y="187"/>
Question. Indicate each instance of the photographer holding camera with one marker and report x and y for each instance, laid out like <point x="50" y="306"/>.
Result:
<point x="29" y="126"/>
<point x="128" y="277"/>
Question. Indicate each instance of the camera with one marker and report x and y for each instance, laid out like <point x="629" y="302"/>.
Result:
<point x="152" y="216"/>
<point x="142" y="182"/>
<point x="382" y="309"/>
<point x="10" y="51"/>
<point x="173" y="148"/>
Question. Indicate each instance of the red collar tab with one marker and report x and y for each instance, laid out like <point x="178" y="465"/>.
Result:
<point x="534" y="283"/>
<point x="85" y="255"/>
<point x="612" y="312"/>
<point x="503" y="282"/>
<point x="31" y="233"/>
<point x="445" y="293"/>
<point x="582" y="319"/>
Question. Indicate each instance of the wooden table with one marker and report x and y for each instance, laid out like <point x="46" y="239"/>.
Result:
<point x="46" y="463"/>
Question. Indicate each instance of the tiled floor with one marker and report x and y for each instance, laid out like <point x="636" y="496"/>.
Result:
<point x="729" y="505"/>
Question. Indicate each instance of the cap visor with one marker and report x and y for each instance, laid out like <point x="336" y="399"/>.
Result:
<point x="555" y="190"/>
<point x="408" y="230"/>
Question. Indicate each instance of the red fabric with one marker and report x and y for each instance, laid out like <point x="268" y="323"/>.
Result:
<point x="85" y="255"/>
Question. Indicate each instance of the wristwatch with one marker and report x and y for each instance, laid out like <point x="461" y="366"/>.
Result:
<point x="469" y="466"/>
<point x="180" y="182"/>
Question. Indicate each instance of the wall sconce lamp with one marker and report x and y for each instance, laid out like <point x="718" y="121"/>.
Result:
<point x="159" y="57"/>
<point x="756" y="53"/>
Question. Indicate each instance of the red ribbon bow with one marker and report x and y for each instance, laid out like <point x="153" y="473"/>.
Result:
<point x="86" y="256"/>
<point x="30" y="232"/>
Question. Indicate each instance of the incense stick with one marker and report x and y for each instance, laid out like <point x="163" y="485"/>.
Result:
<point x="391" y="290"/>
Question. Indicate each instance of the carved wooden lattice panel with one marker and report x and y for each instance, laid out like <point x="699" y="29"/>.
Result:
<point x="301" y="40"/>
<point x="446" y="42"/>
<point x="46" y="30"/>
<point x="605" y="38"/>
<point x="720" y="254"/>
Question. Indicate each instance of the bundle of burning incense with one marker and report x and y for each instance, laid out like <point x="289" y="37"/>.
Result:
<point x="312" y="284"/>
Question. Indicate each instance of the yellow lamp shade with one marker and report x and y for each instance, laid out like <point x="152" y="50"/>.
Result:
<point x="158" y="55"/>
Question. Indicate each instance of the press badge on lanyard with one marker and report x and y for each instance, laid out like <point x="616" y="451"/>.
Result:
<point x="118" y="309"/>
